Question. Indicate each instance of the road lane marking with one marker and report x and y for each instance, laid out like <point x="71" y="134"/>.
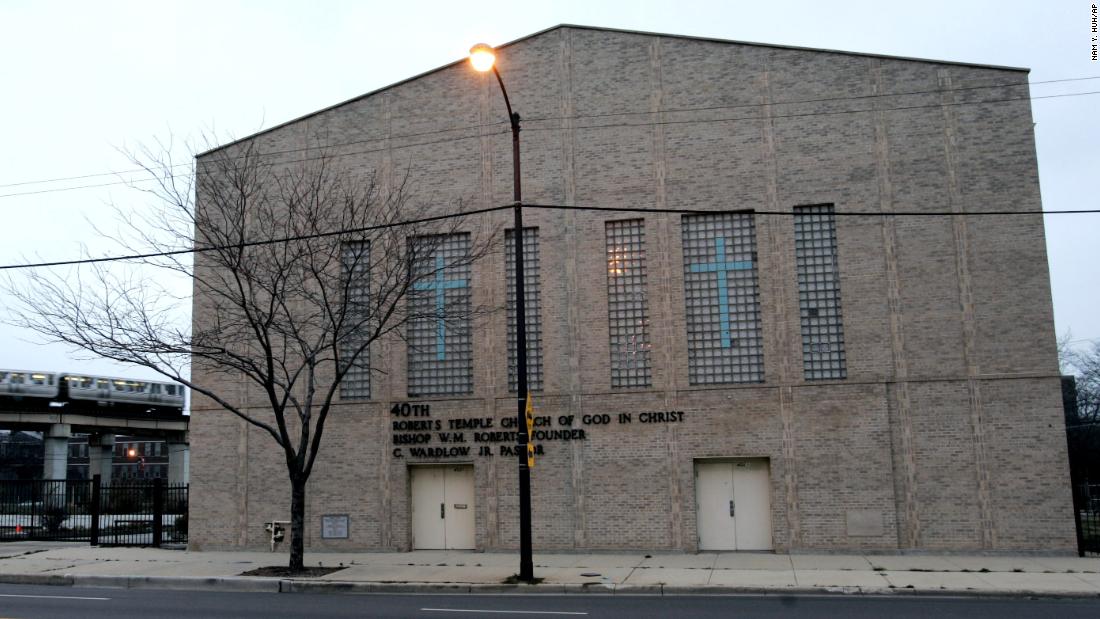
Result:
<point x="52" y="597"/>
<point x="502" y="611"/>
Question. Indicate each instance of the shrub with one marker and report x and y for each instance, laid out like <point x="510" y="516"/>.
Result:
<point x="52" y="517"/>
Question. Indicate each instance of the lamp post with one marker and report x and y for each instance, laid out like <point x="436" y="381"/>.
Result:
<point x="483" y="59"/>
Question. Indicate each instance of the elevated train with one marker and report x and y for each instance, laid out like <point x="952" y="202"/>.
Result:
<point x="44" y="391"/>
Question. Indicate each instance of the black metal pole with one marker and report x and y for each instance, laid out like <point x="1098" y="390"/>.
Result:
<point x="526" y="561"/>
<point x="94" y="509"/>
<point x="158" y="512"/>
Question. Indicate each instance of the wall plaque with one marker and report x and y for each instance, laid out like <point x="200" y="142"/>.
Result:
<point x="334" y="526"/>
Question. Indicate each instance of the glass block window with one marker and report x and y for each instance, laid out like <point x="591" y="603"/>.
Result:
<point x="355" y="260"/>
<point x="722" y="299"/>
<point x="627" y="306"/>
<point x="532" y="313"/>
<point x="440" y="347"/>
<point x="819" y="292"/>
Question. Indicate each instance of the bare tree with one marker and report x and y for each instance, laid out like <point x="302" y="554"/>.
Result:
<point x="297" y="268"/>
<point x="1081" y="397"/>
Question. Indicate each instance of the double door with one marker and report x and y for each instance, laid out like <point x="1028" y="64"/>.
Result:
<point x="733" y="501"/>
<point x="442" y="507"/>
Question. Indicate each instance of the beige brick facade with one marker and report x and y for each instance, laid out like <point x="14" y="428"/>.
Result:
<point x="948" y="428"/>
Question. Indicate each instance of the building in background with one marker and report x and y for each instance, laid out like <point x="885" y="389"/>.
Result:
<point x="20" y="455"/>
<point x="135" y="458"/>
<point x="833" y="350"/>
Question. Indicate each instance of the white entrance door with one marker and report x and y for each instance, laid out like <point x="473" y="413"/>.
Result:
<point x="442" y="507"/>
<point x="458" y="502"/>
<point x="427" y="507"/>
<point x="733" y="500"/>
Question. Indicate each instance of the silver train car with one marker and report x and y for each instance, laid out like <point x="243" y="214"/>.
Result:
<point x="34" y="390"/>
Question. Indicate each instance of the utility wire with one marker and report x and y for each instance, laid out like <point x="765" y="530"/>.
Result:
<point x="805" y="114"/>
<point x="302" y="160"/>
<point x="560" y="128"/>
<point x="267" y="153"/>
<point x="491" y="209"/>
<point x="541" y="119"/>
<point x="285" y="239"/>
<point x="606" y="125"/>
<point x="821" y="100"/>
<point x="632" y="209"/>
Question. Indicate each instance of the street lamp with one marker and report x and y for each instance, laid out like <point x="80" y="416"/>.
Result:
<point x="483" y="59"/>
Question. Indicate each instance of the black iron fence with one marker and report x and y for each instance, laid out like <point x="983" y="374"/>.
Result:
<point x="45" y="509"/>
<point x="120" y="514"/>
<point x="1086" y="511"/>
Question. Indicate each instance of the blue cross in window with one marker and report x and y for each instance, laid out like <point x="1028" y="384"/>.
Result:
<point x="720" y="267"/>
<point x="440" y="285"/>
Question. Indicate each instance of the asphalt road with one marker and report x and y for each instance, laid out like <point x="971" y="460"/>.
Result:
<point x="34" y="602"/>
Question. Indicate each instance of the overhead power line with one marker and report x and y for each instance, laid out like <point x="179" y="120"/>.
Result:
<point x="491" y="209"/>
<point x="822" y="99"/>
<point x="547" y="118"/>
<point x="266" y="154"/>
<point x="285" y="239"/>
<point x="806" y="114"/>
<point x="642" y="209"/>
<point x="273" y="152"/>
<point x="326" y="148"/>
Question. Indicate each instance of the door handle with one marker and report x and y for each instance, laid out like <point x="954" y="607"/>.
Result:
<point x="442" y="506"/>
<point x="733" y="511"/>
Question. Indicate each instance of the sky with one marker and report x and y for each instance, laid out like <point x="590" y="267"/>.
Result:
<point x="81" y="82"/>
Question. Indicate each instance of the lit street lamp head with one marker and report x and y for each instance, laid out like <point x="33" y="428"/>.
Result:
<point x="482" y="57"/>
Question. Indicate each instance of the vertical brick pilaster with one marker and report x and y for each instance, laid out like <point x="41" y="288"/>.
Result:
<point x="778" y="279"/>
<point x="966" y="302"/>
<point x="905" y="480"/>
<point x="572" y="289"/>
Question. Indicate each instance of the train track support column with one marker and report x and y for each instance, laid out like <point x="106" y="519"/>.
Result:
<point x="55" y="460"/>
<point x="101" y="454"/>
<point x="179" y="459"/>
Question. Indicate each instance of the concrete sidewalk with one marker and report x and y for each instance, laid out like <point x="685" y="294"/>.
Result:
<point x="458" y="571"/>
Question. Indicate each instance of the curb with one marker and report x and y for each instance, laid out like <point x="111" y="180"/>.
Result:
<point x="37" y="579"/>
<point x="231" y="583"/>
<point x="249" y="584"/>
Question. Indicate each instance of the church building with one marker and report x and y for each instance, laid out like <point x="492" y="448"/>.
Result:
<point x="777" y="298"/>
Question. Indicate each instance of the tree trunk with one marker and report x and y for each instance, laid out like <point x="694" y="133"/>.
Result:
<point x="297" y="524"/>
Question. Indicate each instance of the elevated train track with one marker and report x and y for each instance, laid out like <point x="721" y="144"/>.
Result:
<point x="59" y="404"/>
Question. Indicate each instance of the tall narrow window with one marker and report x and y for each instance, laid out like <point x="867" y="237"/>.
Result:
<point x="627" y="306"/>
<point x="819" y="292"/>
<point x="722" y="299"/>
<point x="440" y="346"/>
<point x="532" y="300"/>
<point x="355" y="259"/>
